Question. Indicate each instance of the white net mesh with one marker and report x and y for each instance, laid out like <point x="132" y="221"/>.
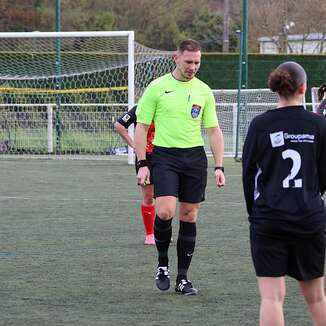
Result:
<point x="252" y="102"/>
<point x="62" y="94"/>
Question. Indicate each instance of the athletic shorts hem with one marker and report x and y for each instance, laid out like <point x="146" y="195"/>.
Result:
<point x="191" y="201"/>
<point x="300" y="258"/>
<point x="306" y="279"/>
<point x="298" y="278"/>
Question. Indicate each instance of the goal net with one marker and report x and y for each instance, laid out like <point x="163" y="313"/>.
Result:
<point x="60" y="93"/>
<point x="235" y="114"/>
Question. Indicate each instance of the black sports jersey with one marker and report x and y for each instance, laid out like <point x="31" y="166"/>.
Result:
<point x="284" y="170"/>
<point x="128" y="118"/>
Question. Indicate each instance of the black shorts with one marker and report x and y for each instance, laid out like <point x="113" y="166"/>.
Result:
<point x="149" y="161"/>
<point x="300" y="258"/>
<point x="180" y="172"/>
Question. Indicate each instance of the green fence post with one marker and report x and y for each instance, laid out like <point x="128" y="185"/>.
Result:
<point x="243" y="70"/>
<point x="58" y="123"/>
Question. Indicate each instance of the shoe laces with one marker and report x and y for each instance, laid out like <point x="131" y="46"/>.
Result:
<point x="162" y="270"/>
<point x="184" y="283"/>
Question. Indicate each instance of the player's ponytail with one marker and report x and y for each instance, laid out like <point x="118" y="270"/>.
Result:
<point x="321" y="92"/>
<point x="287" y="78"/>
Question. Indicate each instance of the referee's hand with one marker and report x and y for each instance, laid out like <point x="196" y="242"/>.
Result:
<point x="143" y="176"/>
<point x="219" y="178"/>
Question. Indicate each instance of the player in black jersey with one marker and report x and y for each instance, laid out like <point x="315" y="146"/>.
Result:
<point x="147" y="206"/>
<point x="322" y="99"/>
<point x="284" y="177"/>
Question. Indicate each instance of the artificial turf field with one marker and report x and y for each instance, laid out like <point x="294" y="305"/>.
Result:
<point x="72" y="253"/>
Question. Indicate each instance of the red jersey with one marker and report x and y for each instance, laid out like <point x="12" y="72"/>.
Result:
<point x="150" y="137"/>
<point x="130" y="118"/>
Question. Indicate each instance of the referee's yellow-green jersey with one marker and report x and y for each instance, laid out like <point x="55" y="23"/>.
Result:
<point x="178" y="109"/>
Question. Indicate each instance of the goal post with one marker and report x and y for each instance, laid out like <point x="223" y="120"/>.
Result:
<point x="131" y="89"/>
<point x="101" y="75"/>
<point x="314" y="99"/>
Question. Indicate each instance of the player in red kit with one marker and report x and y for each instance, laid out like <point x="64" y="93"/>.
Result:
<point x="147" y="205"/>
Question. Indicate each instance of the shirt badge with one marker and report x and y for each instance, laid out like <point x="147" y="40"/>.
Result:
<point x="126" y="117"/>
<point x="277" y="139"/>
<point x="195" y="110"/>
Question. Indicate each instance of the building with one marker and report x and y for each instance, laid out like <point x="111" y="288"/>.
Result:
<point x="312" y="43"/>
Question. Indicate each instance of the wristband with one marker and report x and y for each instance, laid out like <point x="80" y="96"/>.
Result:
<point x="219" y="168"/>
<point x="141" y="163"/>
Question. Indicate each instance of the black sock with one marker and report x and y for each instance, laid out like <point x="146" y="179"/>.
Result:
<point x="162" y="234"/>
<point x="185" y="248"/>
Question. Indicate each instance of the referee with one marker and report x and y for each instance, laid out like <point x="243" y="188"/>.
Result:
<point x="284" y="177"/>
<point x="178" y="103"/>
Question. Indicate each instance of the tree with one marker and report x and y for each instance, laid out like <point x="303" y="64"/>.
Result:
<point x="208" y="30"/>
<point x="268" y="18"/>
<point x="312" y="20"/>
<point x="19" y="15"/>
<point x="79" y="15"/>
<point x="164" y="23"/>
<point x="157" y="29"/>
<point x="272" y="18"/>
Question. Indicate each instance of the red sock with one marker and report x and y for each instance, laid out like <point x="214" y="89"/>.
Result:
<point x="148" y="214"/>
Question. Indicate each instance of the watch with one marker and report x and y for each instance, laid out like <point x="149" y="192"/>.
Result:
<point x="141" y="163"/>
<point x="219" y="168"/>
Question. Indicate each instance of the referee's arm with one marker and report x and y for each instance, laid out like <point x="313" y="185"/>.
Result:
<point x="143" y="175"/>
<point x="216" y="141"/>
<point x="141" y="140"/>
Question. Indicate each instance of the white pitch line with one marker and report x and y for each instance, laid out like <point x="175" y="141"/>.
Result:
<point x="53" y="199"/>
<point x="204" y="203"/>
<point x="105" y="200"/>
<point x="134" y="174"/>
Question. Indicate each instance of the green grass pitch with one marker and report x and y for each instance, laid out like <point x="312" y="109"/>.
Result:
<point x="72" y="253"/>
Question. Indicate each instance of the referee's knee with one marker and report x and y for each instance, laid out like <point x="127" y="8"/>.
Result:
<point x="164" y="213"/>
<point x="275" y="295"/>
<point x="165" y="208"/>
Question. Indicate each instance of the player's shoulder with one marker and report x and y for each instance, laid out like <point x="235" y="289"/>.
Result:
<point x="160" y="80"/>
<point x="318" y="120"/>
<point x="268" y="117"/>
<point x="202" y="84"/>
<point x="314" y="117"/>
<point x="261" y="119"/>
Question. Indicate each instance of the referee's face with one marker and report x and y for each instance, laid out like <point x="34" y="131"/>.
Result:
<point x="187" y="64"/>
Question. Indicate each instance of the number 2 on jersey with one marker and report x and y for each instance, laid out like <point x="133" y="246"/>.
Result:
<point x="296" y="159"/>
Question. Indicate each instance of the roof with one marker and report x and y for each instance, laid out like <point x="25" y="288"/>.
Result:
<point x="296" y="37"/>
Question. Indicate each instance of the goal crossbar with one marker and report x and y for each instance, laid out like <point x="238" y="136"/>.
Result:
<point x="65" y="34"/>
